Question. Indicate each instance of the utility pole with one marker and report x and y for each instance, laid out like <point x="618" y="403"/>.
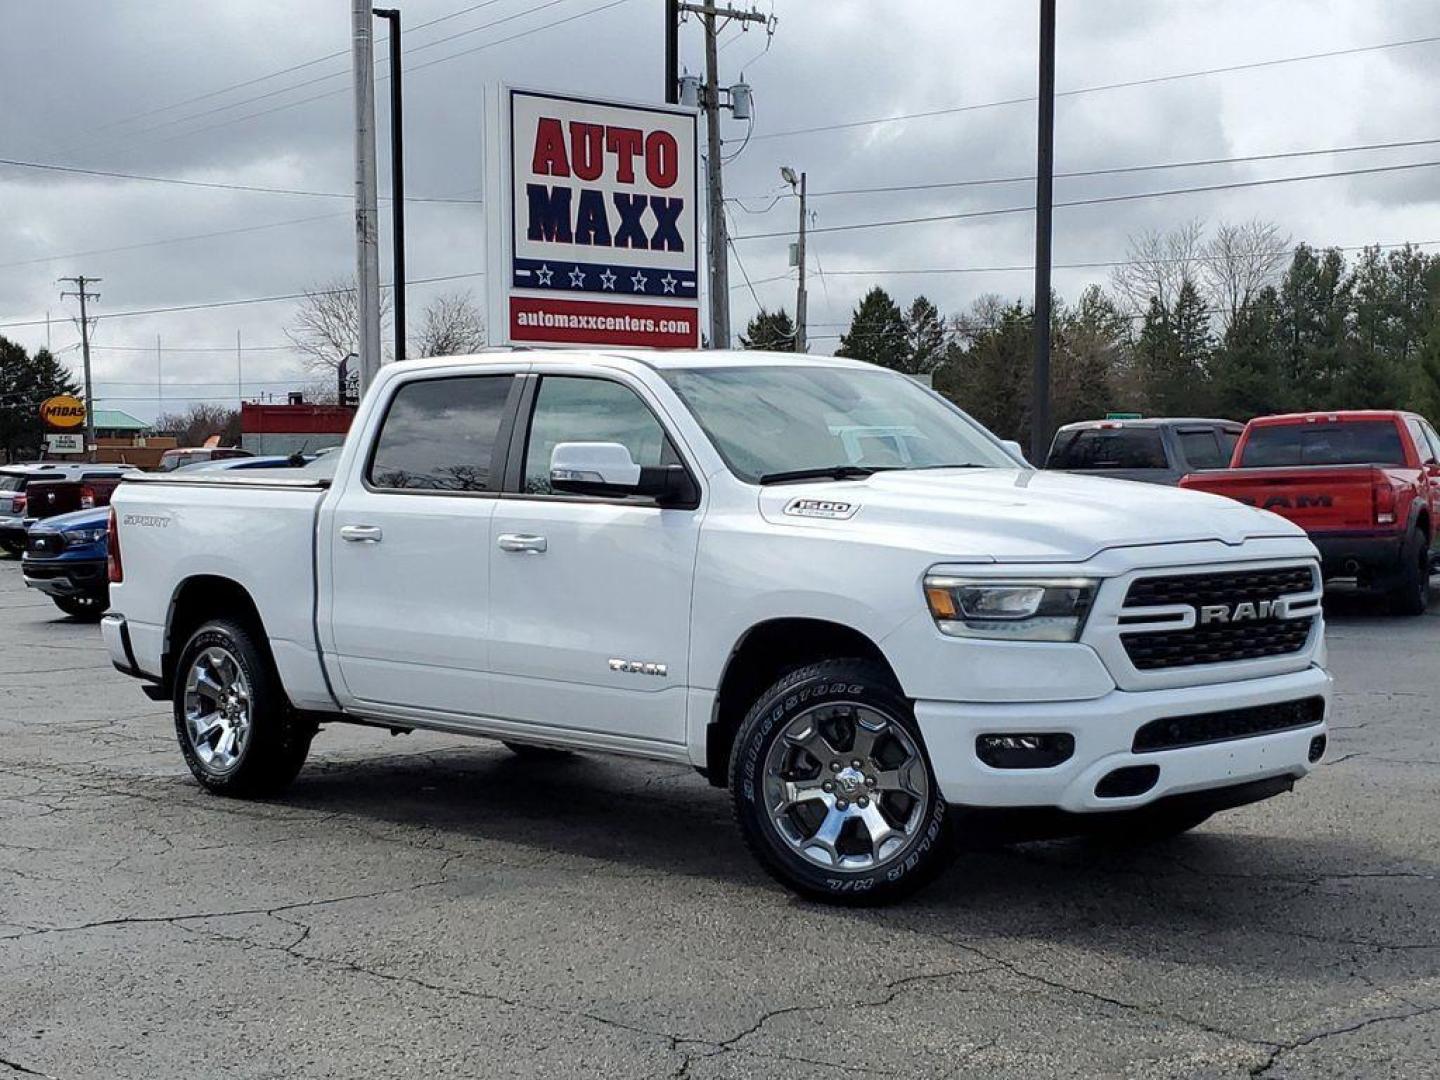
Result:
<point x="239" y="373"/>
<point x="397" y="177"/>
<point x="80" y="282"/>
<point x="367" y="240"/>
<point x="1044" y="179"/>
<point x="800" y="262"/>
<point x="710" y="102"/>
<point x="159" y="379"/>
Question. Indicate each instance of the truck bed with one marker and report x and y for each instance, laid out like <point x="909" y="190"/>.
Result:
<point x="258" y="531"/>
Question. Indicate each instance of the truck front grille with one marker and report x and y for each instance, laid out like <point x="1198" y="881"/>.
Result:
<point x="1228" y="638"/>
<point x="44" y="544"/>
<point x="1171" y="733"/>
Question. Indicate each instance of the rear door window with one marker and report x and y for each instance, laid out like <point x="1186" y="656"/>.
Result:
<point x="440" y="435"/>
<point x="1340" y="442"/>
<point x="1110" y="448"/>
<point x="1422" y="443"/>
<point x="1434" y="438"/>
<point x="1202" y="450"/>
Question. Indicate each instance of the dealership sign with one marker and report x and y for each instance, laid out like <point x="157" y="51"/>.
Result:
<point x="598" y="221"/>
<point x="62" y="412"/>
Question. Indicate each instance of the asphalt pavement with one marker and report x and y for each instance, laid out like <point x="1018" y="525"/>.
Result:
<point x="429" y="906"/>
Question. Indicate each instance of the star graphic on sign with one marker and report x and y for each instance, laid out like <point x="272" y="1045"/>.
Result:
<point x="544" y="274"/>
<point x="639" y="281"/>
<point x="669" y="283"/>
<point x="607" y="279"/>
<point x="577" y="278"/>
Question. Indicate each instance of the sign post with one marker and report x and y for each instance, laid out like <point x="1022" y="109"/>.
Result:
<point x="594" y="235"/>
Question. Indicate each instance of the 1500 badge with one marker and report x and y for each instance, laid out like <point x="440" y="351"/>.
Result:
<point x="820" y="508"/>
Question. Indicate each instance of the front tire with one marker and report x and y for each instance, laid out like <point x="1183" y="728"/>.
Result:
<point x="10" y="547"/>
<point x="832" y="789"/>
<point x="1411" y="594"/>
<point x="87" y="607"/>
<point x="237" y="730"/>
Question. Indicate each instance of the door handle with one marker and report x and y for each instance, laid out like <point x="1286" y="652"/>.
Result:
<point x="361" y="534"/>
<point x="523" y="542"/>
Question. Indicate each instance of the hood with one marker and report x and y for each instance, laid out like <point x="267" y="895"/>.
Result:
<point x="1006" y="515"/>
<point x="97" y="518"/>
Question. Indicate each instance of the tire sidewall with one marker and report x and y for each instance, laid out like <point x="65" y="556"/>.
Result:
<point x="821" y="684"/>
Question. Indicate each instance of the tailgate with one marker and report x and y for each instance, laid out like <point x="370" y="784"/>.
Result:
<point x="54" y="497"/>
<point x="1317" y="498"/>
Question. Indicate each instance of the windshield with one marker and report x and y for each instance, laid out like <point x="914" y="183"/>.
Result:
<point x="1344" y="442"/>
<point x="768" y="422"/>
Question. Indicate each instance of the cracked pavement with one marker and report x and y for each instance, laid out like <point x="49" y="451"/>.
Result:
<point x="431" y="906"/>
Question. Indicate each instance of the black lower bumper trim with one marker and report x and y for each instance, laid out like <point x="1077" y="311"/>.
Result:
<point x="1369" y="558"/>
<point x="1020" y="823"/>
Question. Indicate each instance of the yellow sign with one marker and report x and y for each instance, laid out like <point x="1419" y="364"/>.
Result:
<point x="63" y="412"/>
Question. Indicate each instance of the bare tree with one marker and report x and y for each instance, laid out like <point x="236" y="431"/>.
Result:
<point x="451" y="326"/>
<point x="1159" y="265"/>
<point x="1239" y="261"/>
<point x="200" y="421"/>
<point x="326" y="327"/>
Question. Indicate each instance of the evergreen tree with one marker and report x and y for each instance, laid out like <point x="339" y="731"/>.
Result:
<point x="26" y="381"/>
<point x="925" y="338"/>
<point x="1315" y="305"/>
<point x="1087" y="354"/>
<point x="770" y="330"/>
<point x="990" y="378"/>
<point x="877" y="332"/>
<point x="1247" y="377"/>
<point x="1425" y="391"/>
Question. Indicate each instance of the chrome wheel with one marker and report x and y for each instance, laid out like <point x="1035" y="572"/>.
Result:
<point x="217" y="709"/>
<point x="846" y="787"/>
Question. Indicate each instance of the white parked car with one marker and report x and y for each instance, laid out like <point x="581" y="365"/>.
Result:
<point x="692" y="557"/>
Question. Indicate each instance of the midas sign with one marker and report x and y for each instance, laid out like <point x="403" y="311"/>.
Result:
<point x="62" y="412"/>
<point x="603" y="211"/>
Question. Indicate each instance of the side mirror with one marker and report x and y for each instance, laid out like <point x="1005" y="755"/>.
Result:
<point x="606" y="470"/>
<point x="1015" y="448"/>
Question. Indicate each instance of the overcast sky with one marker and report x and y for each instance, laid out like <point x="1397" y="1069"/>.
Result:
<point x="91" y="85"/>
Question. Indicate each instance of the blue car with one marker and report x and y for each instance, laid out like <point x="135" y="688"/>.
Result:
<point x="65" y="558"/>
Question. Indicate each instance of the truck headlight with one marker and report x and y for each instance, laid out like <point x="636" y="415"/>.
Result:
<point x="81" y="537"/>
<point x="1010" y="609"/>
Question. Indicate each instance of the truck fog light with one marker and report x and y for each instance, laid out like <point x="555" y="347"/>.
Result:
<point x="1024" y="750"/>
<point x="1317" y="748"/>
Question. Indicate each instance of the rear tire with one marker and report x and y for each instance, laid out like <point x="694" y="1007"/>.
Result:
<point x="237" y="730"/>
<point x="832" y="788"/>
<point x="1411" y="593"/>
<point x="87" y="607"/>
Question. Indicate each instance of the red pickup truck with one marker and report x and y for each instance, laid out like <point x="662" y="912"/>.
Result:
<point x="1364" y="485"/>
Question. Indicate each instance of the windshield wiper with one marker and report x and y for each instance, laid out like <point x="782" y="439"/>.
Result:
<point x="825" y="472"/>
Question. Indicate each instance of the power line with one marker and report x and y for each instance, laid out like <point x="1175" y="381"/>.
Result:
<point x="1110" y="171"/>
<point x="208" y="95"/>
<point x="410" y="70"/>
<point x="206" y="305"/>
<point x="1103" y="199"/>
<point x="1149" y="81"/>
<point x="49" y="166"/>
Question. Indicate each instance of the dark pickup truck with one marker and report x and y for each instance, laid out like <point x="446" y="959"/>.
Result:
<point x="1364" y="484"/>
<point x="1157" y="450"/>
<point x="29" y="493"/>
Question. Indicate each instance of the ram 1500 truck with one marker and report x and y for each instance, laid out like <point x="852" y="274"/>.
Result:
<point x="1364" y="485"/>
<point x="704" y="558"/>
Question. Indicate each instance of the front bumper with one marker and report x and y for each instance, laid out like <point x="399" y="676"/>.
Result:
<point x="1104" y="731"/>
<point x="59" y="577"/>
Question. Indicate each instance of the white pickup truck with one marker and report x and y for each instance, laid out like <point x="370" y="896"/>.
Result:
<point x="815" y="581"/>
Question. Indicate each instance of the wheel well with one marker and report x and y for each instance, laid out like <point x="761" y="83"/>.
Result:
<point x="199" y="599"/>
<point x="760" y="659"/>
<point x="1423" y="522"/>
